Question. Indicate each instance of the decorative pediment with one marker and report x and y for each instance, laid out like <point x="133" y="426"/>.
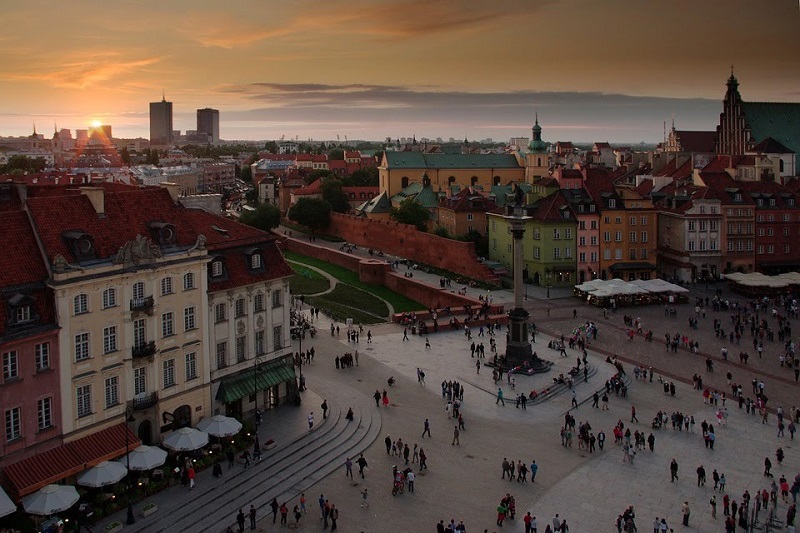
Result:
<point x="138" y="251"/>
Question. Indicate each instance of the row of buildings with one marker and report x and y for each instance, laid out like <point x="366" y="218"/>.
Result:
<point x="704" y="203"/>
<point x="118" y="299"/>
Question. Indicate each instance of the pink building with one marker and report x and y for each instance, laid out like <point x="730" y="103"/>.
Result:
<point x="29" y="385"/>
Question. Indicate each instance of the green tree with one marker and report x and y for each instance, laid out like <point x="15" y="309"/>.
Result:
<point x="246" y="173"/>
<point x="24" y="164"/>
<point x="411" y="212"/>
<point x="271" y="147"/>
<point x="333" y="194"/>
<point x="251" y="196"/>
<point x="313" y="213"/>
<point x="441" y="231"/>
<point x="265" y="217"/>
<point x="337" y="154"/>
<point x="481" y="242"/>
<point x="363" y="177"/>
<point x="125" y="155"/>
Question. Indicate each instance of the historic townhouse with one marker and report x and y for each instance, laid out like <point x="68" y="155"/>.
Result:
<point x="30" y="403"/>
<point x="247" y="306"/>
<point x="588" y="247"/>
<point x="128" y="271"/>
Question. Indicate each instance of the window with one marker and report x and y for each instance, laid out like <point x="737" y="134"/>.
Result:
<point x="786" y="248"/>
<point x="166" y="286"/>
<point x="618" y="254"/>
<point x="191" y="366"/>
<point x="139" y="329"/>
<point x="167" y="325"/>
<point x="691" y="225"/>
<point x="222" y="354"/>
<point x="83" y="397"/>
<point x="216" y="269"/>
<point x="238" y="308"/>
<point x="702" y="225"/>
<point x="760" y="218"/>
<point x="255" y="261"/>
<point x="770" y="232"/>
<point x="23" y="314"/>
<point x="760" y="249"/>
<point x="712" y="244"/>
<point x="276" y="299"/>
<point x="109" y="298"/>
<point x="691" y="246"/>
<point x="259" y="342"/>
<point x="612" y="203"/>
<point x="593" y="224"/>
<point x="537" y="253"/>
<point x="81" y="304"/>
<point x="582" y="223"/>
<point x="81" y="346"/>
<point x="618" y="236"/>
<point x="188" y="319"/>
<point x="567" y="253"/>
<point x="712" y="225"/>
<point x="536" y="234"/>
<point x="13" y="423"/>
<point x="556" y="253"/>
<point x="730" y="246"/>
<point x="786" y="231"/>
<point x="581" y="241"/>
<point x="632" y="254"/>
<point x="740" y="246"/>
<point x="633" y="221"/>
<point x="240" y="345"/>
<point x="593" y="257"/>
<point x="139" y="380"/>
<point x="169" y="373"/>
<point x="219" y="312"/>
<point x="643" y="253"/>
<point x="568" y="233"/>
<point x="644" y="236"/>
<point x="702" y="245"/>
<point x="470" y="217"/>
<point x="593" y="240"/>
<point x="188" y="281"/>
<point x="714" y="210"/>
<point x="42" y="356"/>
<point x="786" y="217"/>
<point x="556" y="233"/>
<point x="112" y="391"/>
<point x="618" y="220"/>
<point x="702" y="209"/>
<point x="10" y="365"/>
<point x="632" y="237"/>
<point x="109" y="339"/>
<point x="760" y="232"/>
<point x="749" y="246"/>
<point x="606" y="220"/>
<point x="138" y="290"/>
<point x="591" y="208"/>
<point x="44" y="408"/>
<point x="277" y="337"/>
<point x="582" y="257"/>
<point x="258" y="302"/>
<point x="607" y="254"/>
<point x="644" y="221"/>
<point x="770" y="249"/>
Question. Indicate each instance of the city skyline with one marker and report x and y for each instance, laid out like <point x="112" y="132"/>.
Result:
<point x="396" y="68"/>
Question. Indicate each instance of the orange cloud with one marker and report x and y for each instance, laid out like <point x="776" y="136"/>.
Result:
<point x="85" y="73"/>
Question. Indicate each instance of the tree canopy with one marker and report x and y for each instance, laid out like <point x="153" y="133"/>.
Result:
<point x="313" y="213"/>
<point x="265" y="217"/>
<point x="333" y="194"/>
<point x="411" y="212"/>
<point x="363" y="177"/>
<point x="23" y="164"/>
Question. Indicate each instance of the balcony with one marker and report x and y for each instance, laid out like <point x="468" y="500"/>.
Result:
<point x="142" y="304"/>
<point x="144" y="401"/>
<point x="147" y="349"/>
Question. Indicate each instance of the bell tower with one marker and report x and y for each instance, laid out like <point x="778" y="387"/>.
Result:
<point x="537" y="162"/>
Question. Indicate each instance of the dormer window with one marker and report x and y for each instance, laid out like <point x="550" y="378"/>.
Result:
<point x="23" y="314"/>
<point x="162" y="232"/>
<point x="772" y="202"/>
<point x="254" y="259"/>
<point x="737" y="197"/>
<point x="21" y="310"/>
<point x="612" y="203"/>
<point x="217" y="268"/>
<point x="81" y="244"/>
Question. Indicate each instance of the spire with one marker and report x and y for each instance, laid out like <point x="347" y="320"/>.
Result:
<point x="163" y="95"/>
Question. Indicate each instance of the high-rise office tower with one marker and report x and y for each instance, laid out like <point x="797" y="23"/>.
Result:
<point x="161" y="123"/>
<point x="208" y="124"/>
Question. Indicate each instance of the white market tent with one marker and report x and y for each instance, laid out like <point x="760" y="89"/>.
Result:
<point x="751" y="282"/>
<point x="617" y="287"/>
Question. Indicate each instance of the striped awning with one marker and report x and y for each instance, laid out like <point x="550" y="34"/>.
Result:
<point x="248" y="382"/>
<point x="31" y="474"/>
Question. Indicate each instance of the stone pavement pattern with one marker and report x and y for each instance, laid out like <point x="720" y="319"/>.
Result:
<point x="463" y="482"/>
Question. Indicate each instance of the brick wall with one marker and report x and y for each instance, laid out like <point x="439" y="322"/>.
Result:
<point x="404" y="240"/>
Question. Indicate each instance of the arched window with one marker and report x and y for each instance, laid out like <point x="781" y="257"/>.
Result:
<point x="109" y="298"/>
<point x="404" y="182"/>
<point x="188" y="281"/>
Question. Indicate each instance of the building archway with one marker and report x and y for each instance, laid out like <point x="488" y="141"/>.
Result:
<point x="145" y="432"/>
<point x="404" y="182"/>
<point x="182" y="417"/>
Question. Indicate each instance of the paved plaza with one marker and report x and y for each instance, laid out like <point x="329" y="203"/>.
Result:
<point x="463" y="482"/>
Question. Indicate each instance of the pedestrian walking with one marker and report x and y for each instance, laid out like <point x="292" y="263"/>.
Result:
<point x="534" y="470"/>
<point x="713" y="503"/>
<point x="190" y="475"/>
<point x="500" y="397"/>
<point x="633" y="414"/>
<point x="574" y="399"/>
<point x="334" y="516"/>
<point x="284" y="513"/>
<point x="240" y="521"/>
<point x="377" y="397"/>
<point x="410" y="477"/>
<point x="685" y="512"/>
<point x="362" y="464"/>
<point x="427" y="428"/>
<point x="364" y="502"/>
<point x="310" y="420"/>
<point x="388" y="442"/>
<point x="273" y="505"/>
<point x="324" y="407"/>
<point x="456" y="433"/>
<point x="348" y="468"/>
<point x="673" y="470"/>
<point x="252" y="516"/>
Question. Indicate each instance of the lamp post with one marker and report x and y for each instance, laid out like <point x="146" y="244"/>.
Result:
<point x="129" y="418"/>
<point x="547" y="278"/>
<point x="256" y="364"/>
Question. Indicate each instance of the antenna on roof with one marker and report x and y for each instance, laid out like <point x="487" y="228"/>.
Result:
<point x="163" y="95"/>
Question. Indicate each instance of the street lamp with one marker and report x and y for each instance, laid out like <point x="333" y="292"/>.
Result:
<point x="129" y="418"/>
<point x="547" y="278"/>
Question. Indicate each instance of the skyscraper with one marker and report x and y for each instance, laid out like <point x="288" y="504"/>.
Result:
<point x="208" y="124"/>
<point x="161" y="123"/>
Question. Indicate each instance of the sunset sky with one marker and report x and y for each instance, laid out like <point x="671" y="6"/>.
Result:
<point x="610" y="70"/>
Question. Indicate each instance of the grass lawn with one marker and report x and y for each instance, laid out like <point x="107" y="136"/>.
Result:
<point x="307" y="281"/>
<point x="345" y="301"/>
<point x="398" y="301"/>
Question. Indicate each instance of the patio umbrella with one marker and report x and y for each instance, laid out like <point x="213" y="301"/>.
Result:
<point x="50" y="499"/>
<point x="186" y="440"/>
<point x="145" y="458"/>
<point x="220" y="426"/>
<point x="6" y="505"/>
<point x="105" y="473"/>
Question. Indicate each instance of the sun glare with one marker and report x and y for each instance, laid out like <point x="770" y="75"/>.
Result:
<point x="96" y="124"/>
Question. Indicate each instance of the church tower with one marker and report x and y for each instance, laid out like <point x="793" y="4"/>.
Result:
<point x="733" y="135"/>
<point x="537" y="162"/>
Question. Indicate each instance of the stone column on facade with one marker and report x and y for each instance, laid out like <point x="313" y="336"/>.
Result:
<point x="518" y="347"/>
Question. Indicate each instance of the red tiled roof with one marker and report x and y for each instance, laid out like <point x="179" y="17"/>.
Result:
<point x="358" y="190"/>
<point x="314" y="187"/>
<point x="21" y="262"/>
<point x="31" y="474"/>
<point x="126" y="215"/>
<point x="468" y="200"/>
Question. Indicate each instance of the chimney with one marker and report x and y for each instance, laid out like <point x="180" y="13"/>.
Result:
<point x="173" y="188"/>
<point x="96" y="196"/>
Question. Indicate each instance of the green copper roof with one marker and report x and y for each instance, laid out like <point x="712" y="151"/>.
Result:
<point x="781" y="121"/>
<point x="396" y="160"/>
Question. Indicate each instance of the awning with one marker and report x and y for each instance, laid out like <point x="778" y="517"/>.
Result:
<point x="268" y="375"/>
<point x="31" y="474"/>
<point x="641" y="265"/>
